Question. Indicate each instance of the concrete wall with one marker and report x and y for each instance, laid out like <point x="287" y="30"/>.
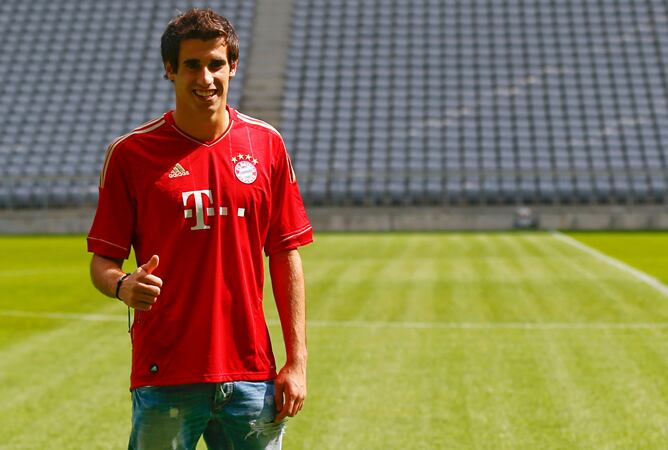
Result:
<point x="44" y="221"/>
<point x="491" y="218"/>
<point x="392" y="219"/>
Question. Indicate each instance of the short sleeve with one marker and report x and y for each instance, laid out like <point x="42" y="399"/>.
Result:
<point x="289" y="225"/>
<point x="113" y="225"/>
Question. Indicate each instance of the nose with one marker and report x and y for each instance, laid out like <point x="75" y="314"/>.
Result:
<point x="206" y="77"/>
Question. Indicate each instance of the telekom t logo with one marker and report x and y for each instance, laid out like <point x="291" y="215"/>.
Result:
<point x="199" y="208"/>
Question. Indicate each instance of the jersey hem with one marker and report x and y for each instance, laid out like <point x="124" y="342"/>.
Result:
<point x="226" y="378"/>
<point x="293" y="241"/>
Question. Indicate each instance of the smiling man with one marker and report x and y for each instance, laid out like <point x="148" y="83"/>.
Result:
<point x="199" y="194"/>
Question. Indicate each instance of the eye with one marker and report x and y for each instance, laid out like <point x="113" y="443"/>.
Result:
<point x="217" y="64"/>
<point x="191" y="64"/>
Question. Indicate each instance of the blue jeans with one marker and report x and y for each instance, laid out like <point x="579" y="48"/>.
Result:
<point x="236" y="415"/>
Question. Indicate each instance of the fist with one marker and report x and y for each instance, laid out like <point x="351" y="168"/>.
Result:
<point x="141" y="289"/>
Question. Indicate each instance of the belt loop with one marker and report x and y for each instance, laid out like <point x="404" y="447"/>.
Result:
<point x="222" y="395"/>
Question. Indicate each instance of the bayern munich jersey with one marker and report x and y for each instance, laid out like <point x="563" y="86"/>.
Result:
<point x="209" y="210"/>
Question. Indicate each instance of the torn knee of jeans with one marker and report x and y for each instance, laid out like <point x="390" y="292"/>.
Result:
<point x="269" y="429"/>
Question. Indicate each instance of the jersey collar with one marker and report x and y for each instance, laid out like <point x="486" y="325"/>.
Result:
<point x="169" y="118"/>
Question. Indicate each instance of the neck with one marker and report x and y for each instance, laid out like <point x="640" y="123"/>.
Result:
<point x="204" y="128"/>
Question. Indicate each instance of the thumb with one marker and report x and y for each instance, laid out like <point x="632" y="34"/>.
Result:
<point x="151" y="264"/>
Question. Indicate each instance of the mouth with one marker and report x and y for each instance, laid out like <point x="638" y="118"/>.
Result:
<point x="205" y="94"/>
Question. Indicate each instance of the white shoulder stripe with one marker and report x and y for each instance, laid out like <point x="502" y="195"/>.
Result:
<point x="146" y="128"/>
<point x="259" y="122"/>
<point x="149" y="123"/>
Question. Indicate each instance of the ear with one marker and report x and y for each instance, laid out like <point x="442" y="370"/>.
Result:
<point x="169" y="72"/>
<point x="233" y="68"/>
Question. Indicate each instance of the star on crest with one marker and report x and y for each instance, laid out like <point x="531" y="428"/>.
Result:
<point x="240" y="157"/>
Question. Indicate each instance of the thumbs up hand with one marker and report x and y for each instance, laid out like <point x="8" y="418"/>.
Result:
<point x="141" y="289"/>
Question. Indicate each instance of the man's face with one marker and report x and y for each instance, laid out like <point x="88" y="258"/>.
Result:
<point x="203" y="76"/>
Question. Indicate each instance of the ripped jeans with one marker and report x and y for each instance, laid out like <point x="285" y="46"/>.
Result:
<point x="231" y="416"/>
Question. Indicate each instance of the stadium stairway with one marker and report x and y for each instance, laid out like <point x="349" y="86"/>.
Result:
<point x="267" y="61"/>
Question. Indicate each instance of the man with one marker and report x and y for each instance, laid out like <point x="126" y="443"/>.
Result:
<point x="200" y="193"/>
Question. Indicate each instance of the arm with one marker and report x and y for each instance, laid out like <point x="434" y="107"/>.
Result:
<point x="287" y="279"/>
<point x="139" y="291"/>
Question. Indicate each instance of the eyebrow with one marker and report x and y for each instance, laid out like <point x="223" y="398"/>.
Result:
<point x="197" y="61"/>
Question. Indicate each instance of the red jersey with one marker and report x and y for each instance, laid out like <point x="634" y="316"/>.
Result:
<point x="208" y="209"/>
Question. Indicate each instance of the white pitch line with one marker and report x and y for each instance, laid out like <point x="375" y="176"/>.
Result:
<point x="642" y="276"/>
<point x="32" y="272"/>
<point x="489" y="325"/>
<point x="66" y="316"/>
<point x="380" y="325"/>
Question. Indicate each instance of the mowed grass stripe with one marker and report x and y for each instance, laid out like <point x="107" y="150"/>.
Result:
<point x="636" y="388"/>
<point x="508" y="395"/>
<point x="523" y="302"/>
<point x="613" y="392"/>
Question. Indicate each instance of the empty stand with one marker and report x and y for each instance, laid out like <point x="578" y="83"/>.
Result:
<point x="385" y="102"/>
<point x="75" y="76"/>
<point x="394" y="102"/>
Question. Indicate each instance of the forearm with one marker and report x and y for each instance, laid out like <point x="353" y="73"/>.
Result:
<point x="287" y="277"/>
<point x="105" y="273"/>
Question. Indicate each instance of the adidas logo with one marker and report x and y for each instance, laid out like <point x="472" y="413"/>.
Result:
<point x="178" y="171"/>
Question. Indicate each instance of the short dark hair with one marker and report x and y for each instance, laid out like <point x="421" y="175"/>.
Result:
<point x="201" y="24"/>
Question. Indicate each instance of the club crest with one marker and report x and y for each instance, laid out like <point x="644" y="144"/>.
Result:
<point x="244" y="168"/>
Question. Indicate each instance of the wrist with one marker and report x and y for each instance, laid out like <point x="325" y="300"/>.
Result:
<point x="119" y="283"/>
<point x="297" y="360"/>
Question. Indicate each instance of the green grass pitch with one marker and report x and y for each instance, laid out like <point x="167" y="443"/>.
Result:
<point x="416" y="341"/>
